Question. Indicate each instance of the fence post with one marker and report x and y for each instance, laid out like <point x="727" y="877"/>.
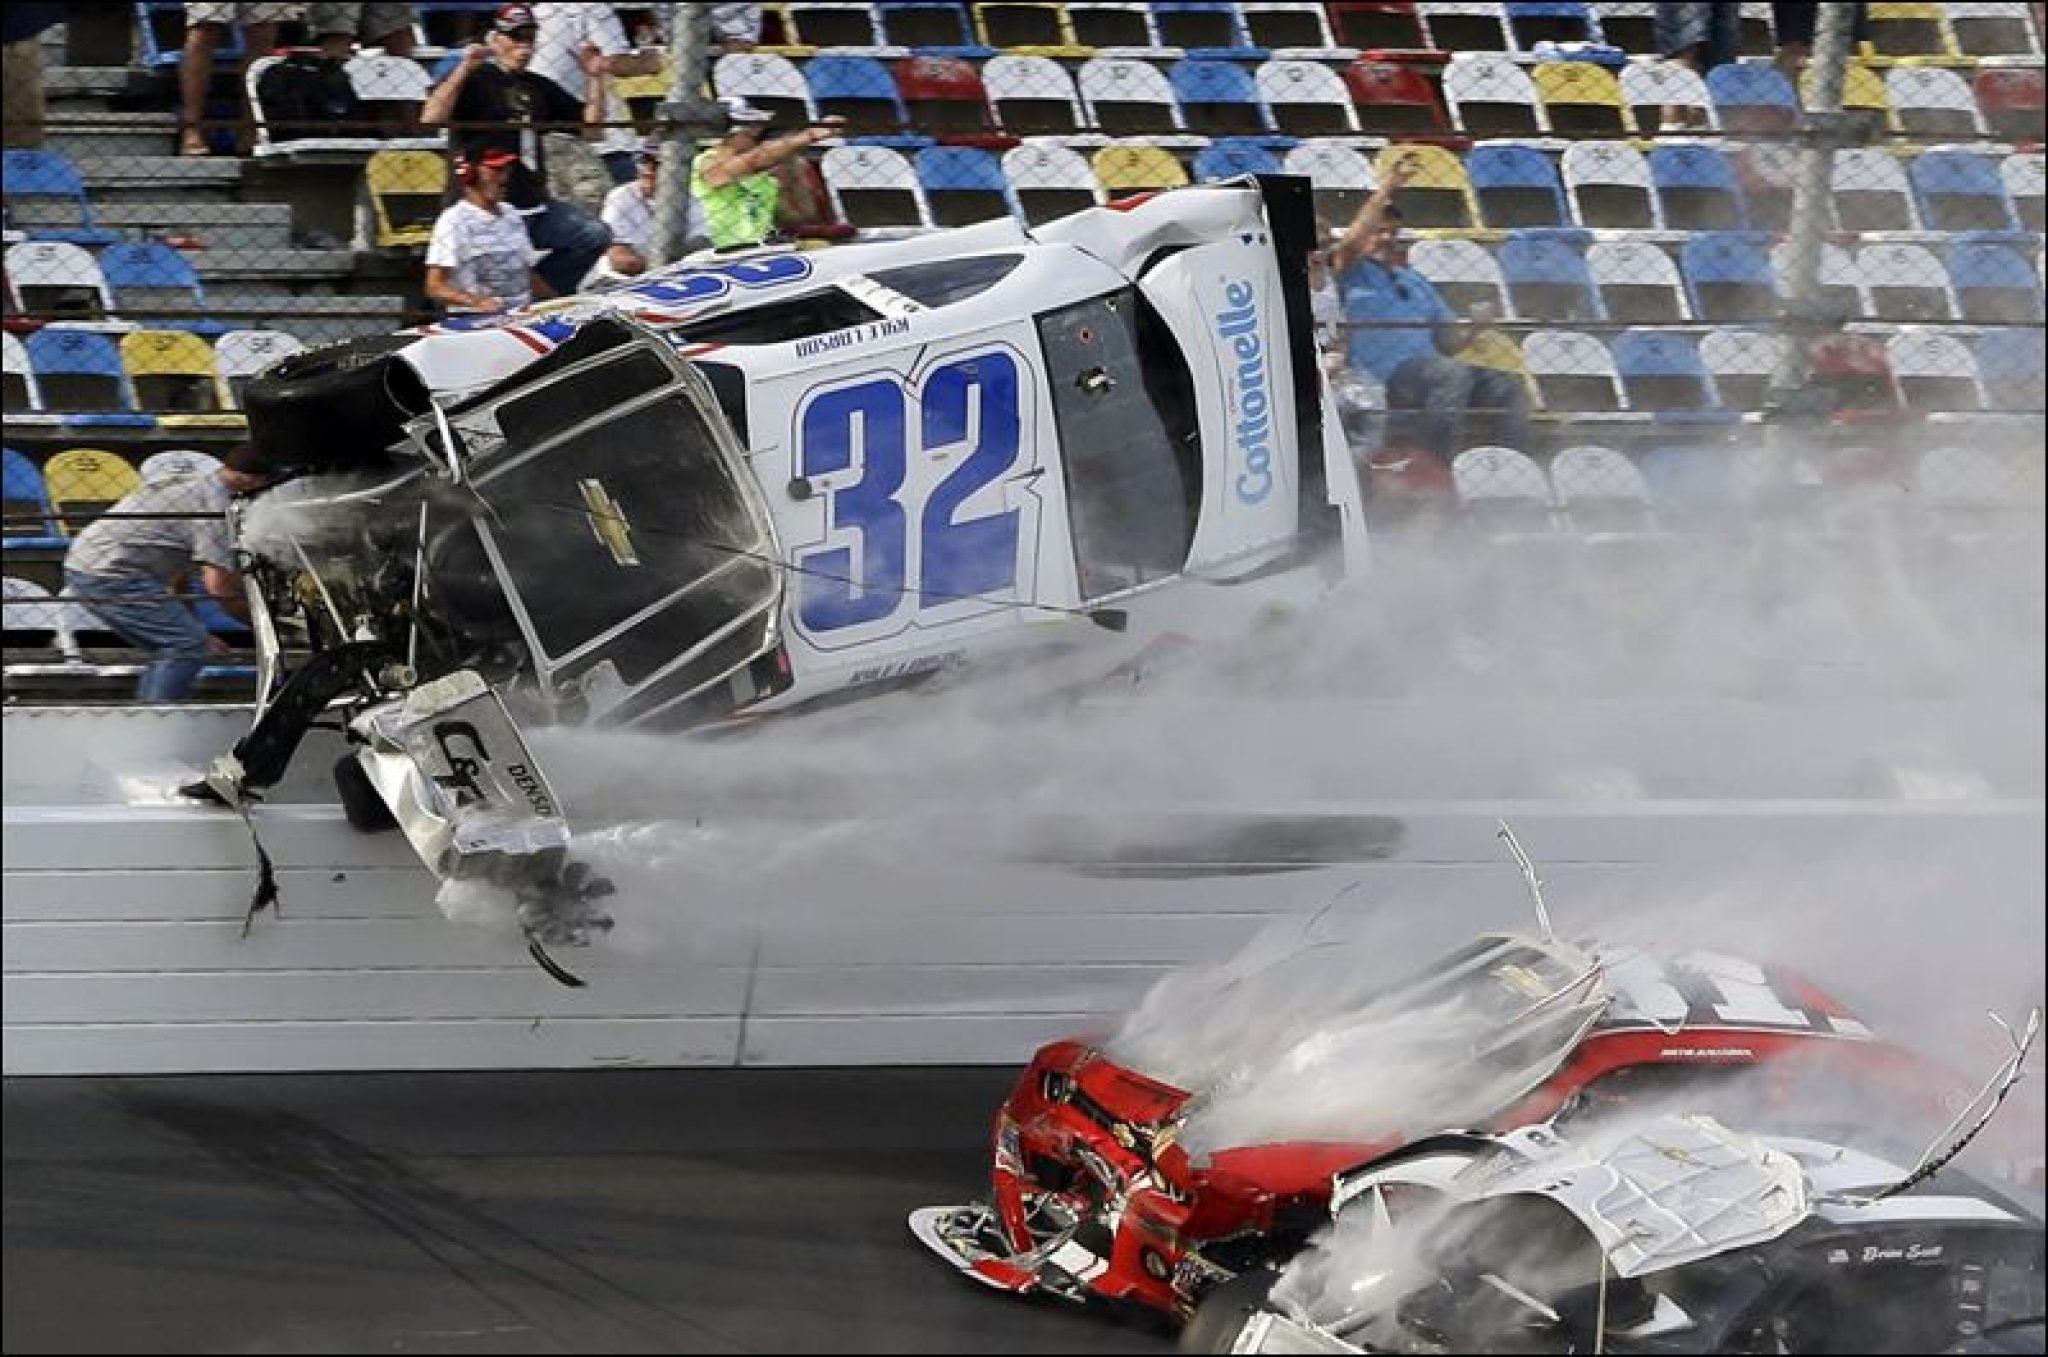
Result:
<point x="686" y="118"/>
<point x="1823" y="129"/>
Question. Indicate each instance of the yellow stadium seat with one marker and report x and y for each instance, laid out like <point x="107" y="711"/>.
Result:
<point x="1039" y="30"/>
<point x="1581" y="99"/>
<point x="653" y="86"/>
<point x="1437" y="193"/>
<point x="1862" y="89"/>
<point x="1909" y="31"/>
<point x="1137" y="169"/>
<point x="177" y="379"/>
<point x="86" y="482"/>
<point x="406" y="190"/>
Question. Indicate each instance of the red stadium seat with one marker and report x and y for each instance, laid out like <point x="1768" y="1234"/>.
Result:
<point x="2014" y="101"/>
<point x="1394" y="100"/>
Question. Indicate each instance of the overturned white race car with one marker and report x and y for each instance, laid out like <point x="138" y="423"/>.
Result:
<point x="750" y="484"/>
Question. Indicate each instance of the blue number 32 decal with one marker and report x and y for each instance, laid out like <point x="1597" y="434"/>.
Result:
<point x="956" y="558"/>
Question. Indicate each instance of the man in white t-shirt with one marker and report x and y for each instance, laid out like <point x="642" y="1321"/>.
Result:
<point x="565" y="31"/>
<point x="480" y="257"/>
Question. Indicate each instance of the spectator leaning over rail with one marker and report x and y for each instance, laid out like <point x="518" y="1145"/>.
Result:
<point x="128" y="566"/>
<point x="1404" y="333"/>
<point x="480" y="258"/>
<point x="496" y="104"/>
<point x="740" y="181"/>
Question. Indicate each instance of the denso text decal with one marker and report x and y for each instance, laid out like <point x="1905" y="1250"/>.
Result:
<point x="1237" y="325"/>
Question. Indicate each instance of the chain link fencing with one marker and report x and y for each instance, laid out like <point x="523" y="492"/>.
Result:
<point x="1618" y="234"/>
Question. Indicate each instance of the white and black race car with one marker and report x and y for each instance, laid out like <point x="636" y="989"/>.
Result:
<point x="1667" y="1234"/>
<point x="759" y="481"/>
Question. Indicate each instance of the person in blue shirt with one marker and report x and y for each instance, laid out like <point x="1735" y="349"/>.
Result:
<point x="1402" y="331"/>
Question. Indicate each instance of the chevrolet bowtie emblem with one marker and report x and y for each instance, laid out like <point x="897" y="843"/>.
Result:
<point x="608" y="522"/>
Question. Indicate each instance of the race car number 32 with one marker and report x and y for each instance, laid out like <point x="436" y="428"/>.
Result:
<point x="886" y="556"/>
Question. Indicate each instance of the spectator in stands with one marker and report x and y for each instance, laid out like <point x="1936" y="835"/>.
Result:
<point x="1698" y="37"/>
<point x="480" y="257"/>
<point x="629" y="211"/>
<point x="1794" y="25"/>
<point x="205" y="26"/>
<point x="22" y="89"/>
<point x="128" y="566"/>
<point x="740" y="182"/>
<point x="1403" y="332"/>
<point x="496" y="103"/>
<point x="567" y="31"/>
<point x="339" y="28"/>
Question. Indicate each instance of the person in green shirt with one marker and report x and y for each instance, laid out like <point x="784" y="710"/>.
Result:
<point x="738" y="182"/>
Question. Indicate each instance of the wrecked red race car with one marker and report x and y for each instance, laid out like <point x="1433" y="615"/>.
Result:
<point x="1145" y="1170"/>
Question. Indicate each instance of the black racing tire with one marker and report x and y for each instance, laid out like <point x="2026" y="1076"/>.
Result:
<point x="1222" y="1313"/>
<point x="333" y="408"/>
<point x="365" y="810"/>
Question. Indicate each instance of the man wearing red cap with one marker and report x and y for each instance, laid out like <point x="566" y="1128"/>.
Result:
<point x="495" y="103"/>
<point x="480" y="257"/>
<point x="129" y="566"/>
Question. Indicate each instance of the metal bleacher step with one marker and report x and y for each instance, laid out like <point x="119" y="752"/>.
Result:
<point x="159" y="174"/>
<point x="92" y="136"/>
<point x="223" y="226"/>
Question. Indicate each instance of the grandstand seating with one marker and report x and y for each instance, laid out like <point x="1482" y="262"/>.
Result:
<point x="30" y="521"/>
<point x="1599" y="490"/>
<point x="874" y="186"/>
<point x="1544" y="277"/>
<point x="79" y="373"/>
<point x="1638" y="283"/>
<point x="1306" y="99"/>
<point x="1728" y="278"/>
<point x="1609" y="185"/>
<point x="1696" y="189"/>
<point x="963" y="184"/>
<point x="405" y="191"/>
<point x="160" y="466"/>
<point x="1961" y="191"/>
<point x="241" y="354"/>
<point x="150" y="276"/>
<point x="23" y="395"/>
<point x="59" y="280"/>
<point x="1529" y="189"/>
<point x="34" y="177"/>
<point x="1573" y="371"/>
<point x="86" y="482"/>
<point x="1516" y="185"/>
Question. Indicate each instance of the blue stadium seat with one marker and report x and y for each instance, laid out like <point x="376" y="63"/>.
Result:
<point x="1661" y="372"/>
<point x="1961" y="191"/>
<point x="81" y="376"/>
<point x="859" y="90"/>
<point x="2015" y="375"/>
<point x="1206" y="29"/>
<point x="149" y="276"/>
<point x="1232" y="156"/>
<point x="1728" y="277"/>
<point x="30" y="522"/>
<point x="1753" y="99"/>
<point x="50" y="176"/>
<point x="1218" y="99"/>
<point x="964" y="184"/>
<point x="1697" y="189"/>
<point x="1551" y="22"/>
<point x="1517" y="186"/>
<point x="1546" y="277"/>
<point x="930" y="28"/>
<point x="1993" y="285"/>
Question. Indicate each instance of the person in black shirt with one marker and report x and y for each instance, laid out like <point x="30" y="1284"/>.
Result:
<point x="495" y="103"/>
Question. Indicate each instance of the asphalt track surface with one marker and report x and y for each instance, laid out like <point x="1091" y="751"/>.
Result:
<point x="601" y="1211"/>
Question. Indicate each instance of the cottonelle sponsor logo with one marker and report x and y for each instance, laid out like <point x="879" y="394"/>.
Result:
<point x="1237" y="325"/>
